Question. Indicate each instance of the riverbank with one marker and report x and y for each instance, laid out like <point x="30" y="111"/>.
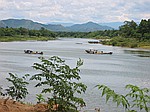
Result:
<point x="127" y="42"/>
<point x="24" y="38"/>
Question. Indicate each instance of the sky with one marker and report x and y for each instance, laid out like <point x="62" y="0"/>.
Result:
<point x="75" y="11"/>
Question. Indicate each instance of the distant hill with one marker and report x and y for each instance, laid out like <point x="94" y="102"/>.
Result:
<point x="2" y="24"/>
<point x="16" y="23"/>
<point x="62" y="23"/>
<point x="87" y="27"/>
<point x="114" y="25"/>
<point x="29" y="24"/>
<point x="57" y="27"/>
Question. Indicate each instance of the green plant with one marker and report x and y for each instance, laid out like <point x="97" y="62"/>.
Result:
<point x="18" y="90"/>
<point x="40" y="98"/>
<point x="136" y="98"/>
<point x="1" y="93"/>
<point x="62" y="82"/>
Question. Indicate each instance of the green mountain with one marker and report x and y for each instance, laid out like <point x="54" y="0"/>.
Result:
<point x="57" y="27"/>
<point x="2" y="24"/>
<point x="114" y="25"/>
<point x="88" y="27"/>
<point x="29" y="24"/>
<point x="16" y="23"/>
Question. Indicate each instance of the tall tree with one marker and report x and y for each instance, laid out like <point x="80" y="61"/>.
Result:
<point x="128" y="29"/>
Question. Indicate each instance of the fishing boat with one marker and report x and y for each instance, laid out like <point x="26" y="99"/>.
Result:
<point x="32" y="52"/>
<point x="94" y="42"/>
<point x="97" y="52"/>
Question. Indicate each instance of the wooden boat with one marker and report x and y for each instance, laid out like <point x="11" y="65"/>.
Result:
<point x="94" y="42"/>
<point x="32" y="52"/>
<point x="97" y="52"/>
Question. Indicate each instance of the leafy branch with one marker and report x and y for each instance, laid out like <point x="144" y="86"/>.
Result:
<point x="18" y="90"/>
<point x="139" y="97"/>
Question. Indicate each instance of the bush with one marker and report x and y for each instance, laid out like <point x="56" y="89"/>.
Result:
<point x="18" y="90"/>
<point x="58" y="79"/>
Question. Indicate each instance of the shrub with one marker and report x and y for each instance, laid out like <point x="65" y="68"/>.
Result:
<point x="18" y="90"/>
<point x="40" y="98"/>
<point x="58" y="79"/>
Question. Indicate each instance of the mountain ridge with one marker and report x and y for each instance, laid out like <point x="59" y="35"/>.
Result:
<point x="29" y="24"/>
<point x="89" y="26"/>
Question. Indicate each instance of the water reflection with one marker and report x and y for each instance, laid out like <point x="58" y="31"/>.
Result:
<point x="140" y="53"/>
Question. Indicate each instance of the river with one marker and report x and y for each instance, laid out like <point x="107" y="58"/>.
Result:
<point x="117" y="70"/>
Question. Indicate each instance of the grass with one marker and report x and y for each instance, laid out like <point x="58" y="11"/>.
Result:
<point x="24" y="38"/>
<point x="128" y="42"/>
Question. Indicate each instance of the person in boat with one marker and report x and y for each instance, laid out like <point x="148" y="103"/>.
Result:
<point x="96" y="51"/>
<point x="28" y="51"/>
<point x="32" y="52"/>
<point x="41" y="53"/>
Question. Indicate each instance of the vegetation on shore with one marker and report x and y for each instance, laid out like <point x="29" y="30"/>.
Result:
<point x="127" y="42"/>
<point x="23" y="34"/>
<point x="62" y="84"/>
<point x="25" y="38"/>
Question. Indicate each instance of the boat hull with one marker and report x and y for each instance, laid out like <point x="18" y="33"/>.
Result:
<point x="97" y="52"/>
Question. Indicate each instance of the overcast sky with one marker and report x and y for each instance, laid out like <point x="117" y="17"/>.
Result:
<point x="75" y="11"/>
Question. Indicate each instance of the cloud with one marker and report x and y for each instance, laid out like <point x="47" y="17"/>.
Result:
<point x="77" y="11"/>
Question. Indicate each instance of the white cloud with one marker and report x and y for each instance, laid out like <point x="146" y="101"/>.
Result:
<point x="75" y="10"/>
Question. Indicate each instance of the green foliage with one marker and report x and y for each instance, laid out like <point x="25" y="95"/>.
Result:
<point x="129" y="29"/>
<point x="46" y="33"/>
<point x="136" y="97"/>
<point x="127" y="42"/>
<point x="11" y="34"/>
<point x="24" y="38"/>
<point x="96" y="34"/>
<point x="140" y="97"/>
<point x="18" y="89"/>
<point x="58" y="79"/>
<point x="1" y="93"/>
<point x="40" y="98"/>
<point x="123" y="42"/>
<point x="144" y="27"/>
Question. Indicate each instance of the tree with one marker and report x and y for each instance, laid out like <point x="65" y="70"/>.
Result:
<point x="18" y="90"/>
<point x="2" y="32"/>
<point x="24" y="31"/>
<point x="58" y="79"/>
<point x="129" y="29"/>
<point x="9" y="32"/>
<point x="144" y="27"/>
<point x="34" y="33"/>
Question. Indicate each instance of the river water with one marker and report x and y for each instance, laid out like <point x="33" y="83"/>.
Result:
<point x="123" y="67"/>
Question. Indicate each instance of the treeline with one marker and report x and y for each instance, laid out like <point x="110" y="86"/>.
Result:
<point x="133" y="30"/>
<point x="96" y="34"/>
<point x="11" y="32"/>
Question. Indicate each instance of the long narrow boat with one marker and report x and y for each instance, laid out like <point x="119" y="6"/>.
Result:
<point x="97" y="52"/>
<point x="32" y="52"/>
<point x="94" y="42"/>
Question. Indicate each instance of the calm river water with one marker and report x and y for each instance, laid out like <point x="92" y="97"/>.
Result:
<point x="123" y="67"/>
